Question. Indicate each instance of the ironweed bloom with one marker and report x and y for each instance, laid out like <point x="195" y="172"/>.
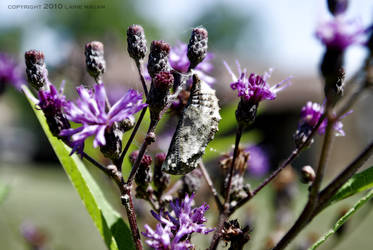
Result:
<point x="89" y="110"/>
<point x="309" y="117"/>
<point x="175" y="227"/>
<point x="253" y="89"/>
<point x="258" y="163"/>
<point x="52" y="103"/>
<point x="10" y="72"/>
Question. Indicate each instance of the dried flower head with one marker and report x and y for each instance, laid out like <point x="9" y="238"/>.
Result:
<point x="89" y="110"/>
<point x="136" y="42"/>
<point x="175" y="227"/>
<point x="36" y="70"/>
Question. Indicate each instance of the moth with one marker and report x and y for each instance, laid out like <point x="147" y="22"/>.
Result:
<point x="195" y="129"/>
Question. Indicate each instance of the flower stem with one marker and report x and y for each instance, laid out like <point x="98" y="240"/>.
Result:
<point x="224" y="214"/>
<point x="211" y="185"/>
<point x="290" y="158"/>
<point x="312" y="203"/>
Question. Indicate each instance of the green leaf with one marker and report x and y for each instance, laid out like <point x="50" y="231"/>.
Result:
<point x="343" y="219"/>
<point x="108" y="221"/>
<point x="357" y="183"/>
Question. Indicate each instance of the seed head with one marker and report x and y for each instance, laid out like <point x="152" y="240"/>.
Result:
<point x="197" y="47"/>
<point x="136" y="42"/>
<point x="36" y="70"/>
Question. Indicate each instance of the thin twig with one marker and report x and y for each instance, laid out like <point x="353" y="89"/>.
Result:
<point x="211" y="185"/>
<point x="290" y="158"/>
<point x="226" y="207"/>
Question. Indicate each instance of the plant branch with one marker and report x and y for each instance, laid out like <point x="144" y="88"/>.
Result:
<point x="224" y="214"/>
<point x="290" y="158"/>
<point x="211" y="185"/>
<point x="308" y="210"/>
<point x="142" y="78"/>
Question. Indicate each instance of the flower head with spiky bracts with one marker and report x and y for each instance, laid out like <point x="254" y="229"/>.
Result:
<point x="339" y="33"/>
<point x="175" y="227"/>
<point x="179" y="61"/>
<point x="255" y="88"/>
<point x="10" y="72"/>
<point x="89" y="110"/>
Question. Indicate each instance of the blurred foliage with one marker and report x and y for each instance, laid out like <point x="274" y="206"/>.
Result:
<point x="4" y="190"/>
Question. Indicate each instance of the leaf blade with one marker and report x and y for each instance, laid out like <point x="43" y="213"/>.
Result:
<point x="108" y="221"/>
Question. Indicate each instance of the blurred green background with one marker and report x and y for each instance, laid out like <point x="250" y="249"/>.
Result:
<point x="260" y="34"/>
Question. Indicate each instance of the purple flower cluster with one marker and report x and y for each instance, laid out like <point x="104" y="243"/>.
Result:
<point x="89" y="110"/>
<point x="255" y="88"/>
<point x="173" y="231"/>
<point x="10" y="72"/>
<point x="339" y="33"/>
<point x="179" y="61"/>
<point x="310" y="115"/>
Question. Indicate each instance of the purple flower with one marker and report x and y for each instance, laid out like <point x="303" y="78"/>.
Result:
<point x="340" y="33"/>
<point x="52" y="101"/>
<point x="176" y="226"/>
<point x="10" y="72"/>
<point x="89" y="110"/>
<point x="255" y="88"/>
<point x="258" y="163"/>
<point x="310" y="115"/>
<point x="179" y="61"/>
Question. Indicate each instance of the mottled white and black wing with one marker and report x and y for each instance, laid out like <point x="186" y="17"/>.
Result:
<point x="196" y="128"/>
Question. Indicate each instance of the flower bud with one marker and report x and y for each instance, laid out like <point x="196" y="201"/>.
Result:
<point x="113" y="147"/>
<point x="246" y="112"/>
<point x="143" y="176"/>
<point x="161" y="179"/>
<point x="36" y="69"/>
<point x="94" y="59"/>
<point x="337" y="7"/>
<point x="197" y="47"/>
<point x="136" y="42"/>
<point x="308" y="175"/>
<point x="158" y="94"/>
<point x="301" y="134"/>
<point x="158" y="57"/>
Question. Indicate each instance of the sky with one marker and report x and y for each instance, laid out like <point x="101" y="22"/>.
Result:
<point x="287" y="26"/>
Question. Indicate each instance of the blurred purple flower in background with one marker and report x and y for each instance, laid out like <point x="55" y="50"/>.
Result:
<point x="10" y="72"/>
<point x="173" y="230"/>
<point x="255" y="88"/>
<point x="310" y="115"/>
<point x="258" y="163"/>
<point x="339" y="33"/>
<point x="89" y="110"/>
<point x="179" y="61"/>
